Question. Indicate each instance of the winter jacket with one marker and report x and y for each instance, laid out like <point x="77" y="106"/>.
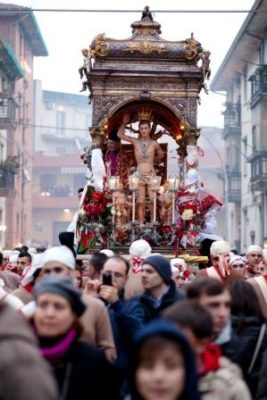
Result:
<point x="246" y="340"/>
<point x="124" y="324"/>
<point x="24" y="374"/>
<point x="262" y="382"/>
<point x="85" y="373"/>
<point x="97" y="329"/>
<point x="143" y="308"/>
<point x="220" y="379"/>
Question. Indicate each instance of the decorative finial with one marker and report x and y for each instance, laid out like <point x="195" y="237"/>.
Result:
<point x="147" y="14"/>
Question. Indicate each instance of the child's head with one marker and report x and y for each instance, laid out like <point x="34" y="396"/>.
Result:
<point x="163" y="364"/>
<point x="194" y="320"/>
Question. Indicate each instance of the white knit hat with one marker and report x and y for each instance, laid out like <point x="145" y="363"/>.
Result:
<point x="254" y="249"/>
<point x="13" y="259"/>
<point x="60" y="254"/>
<point x="140" y="248"/>
<point x="219" y="247"/>
<point x="108" y="252"/>
<point x="7" y="253"/>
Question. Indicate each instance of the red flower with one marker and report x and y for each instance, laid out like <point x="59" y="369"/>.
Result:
<point x="97" y="197"/>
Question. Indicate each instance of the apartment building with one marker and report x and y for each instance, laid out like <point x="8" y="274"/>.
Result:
<point x="61" y="122"/>
<point x="243" y="77"/>
<point x="20" y="42"/>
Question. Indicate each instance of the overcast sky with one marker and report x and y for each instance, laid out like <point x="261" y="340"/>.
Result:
<point x="65" y="34"/>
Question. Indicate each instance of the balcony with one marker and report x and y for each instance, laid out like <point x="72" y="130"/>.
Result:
<point x="258" y="180"/>
<point x="9" y="62"/>
<point x="7" y="184"/>
<point x="258" y="85"/>
<point x="232" y="119"/>
<point x="7" y="113"/>
<point x="234" y="187"/>
<point x="40" y="200"/>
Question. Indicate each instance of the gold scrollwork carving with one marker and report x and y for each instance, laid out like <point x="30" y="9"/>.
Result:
<point x="146" y="31"/>
<point x="146" y="47"/>
<point x="192" y="48"/>
<point x="101" y="45"/>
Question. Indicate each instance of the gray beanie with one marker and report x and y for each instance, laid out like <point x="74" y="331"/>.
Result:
<point x="162" y="265"/>
<point x="63" y="287"/>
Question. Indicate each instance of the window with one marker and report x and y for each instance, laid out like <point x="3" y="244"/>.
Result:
<point x="61" y="122"/>
<point x="47" y="182"/>
<point x="49" y="105"/>
<point x="255" y="138"/>
<point x="245" y="147"/>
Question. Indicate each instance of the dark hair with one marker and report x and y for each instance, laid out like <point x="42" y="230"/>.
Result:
<point x="25" y="254"/>
<point x="144" y="123"/>
<point x="244" y="302"/>
<point x="119" y="258"/>
<point x="98" y="260"/>
<point x="1" y="258"/>
<point x="208" y="286"/>
<point x="24" y="249"/>
<point x="190" y="314"/>
<point x="79" y="265"/>
<point x="40" y="249"/>
<point x="67" y="239"/>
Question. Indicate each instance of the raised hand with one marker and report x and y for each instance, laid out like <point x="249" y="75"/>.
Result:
<point x="126" y="119"/>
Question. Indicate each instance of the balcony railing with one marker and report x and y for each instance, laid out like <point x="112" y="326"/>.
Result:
<point x="258" y="180"/>
<point x="7" y="183"/>
<point x="234" y="187"/>
<point x="7" y="113"/>
<point x="258" y="84"/>
<point x="232" y="118"/>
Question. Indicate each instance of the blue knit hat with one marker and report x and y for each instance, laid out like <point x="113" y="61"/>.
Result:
<point x="162" y="265"/>
<point x="63" y="287"/>
<point x="160" y="327"/>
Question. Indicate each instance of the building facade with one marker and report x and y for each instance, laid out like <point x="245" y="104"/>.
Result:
<point x="20" y="42"/>
<point x="243" y="76"/>
<point x="61" y="122"/>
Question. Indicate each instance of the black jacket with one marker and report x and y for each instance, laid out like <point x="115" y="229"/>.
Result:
<point x="144" y="309"/>
<point x="245" y="343"/>
<point x="86" y="374"/>
<point x="262" y="382"/>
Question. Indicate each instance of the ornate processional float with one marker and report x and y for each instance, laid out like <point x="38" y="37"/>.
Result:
<point x="142" y="179"/>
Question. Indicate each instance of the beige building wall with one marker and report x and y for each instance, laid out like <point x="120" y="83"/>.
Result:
<point x="61" y="125"/>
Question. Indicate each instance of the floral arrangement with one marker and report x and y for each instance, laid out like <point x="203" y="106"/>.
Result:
<point x="193" y="207"/>
<point x="93" y="220"/>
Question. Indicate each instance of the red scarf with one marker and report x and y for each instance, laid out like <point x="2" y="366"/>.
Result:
<point x="210" y="359"/>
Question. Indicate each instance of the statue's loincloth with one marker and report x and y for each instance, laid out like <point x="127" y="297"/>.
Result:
<point x="144" y="179"/>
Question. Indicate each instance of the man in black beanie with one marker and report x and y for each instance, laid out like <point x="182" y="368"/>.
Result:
<point x="160" y="290"/>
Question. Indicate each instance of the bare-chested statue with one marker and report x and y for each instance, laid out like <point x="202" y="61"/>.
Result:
<point x="146" y="151"/>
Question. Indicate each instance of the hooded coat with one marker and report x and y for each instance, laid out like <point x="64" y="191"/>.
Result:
<point x="24" y="374"/>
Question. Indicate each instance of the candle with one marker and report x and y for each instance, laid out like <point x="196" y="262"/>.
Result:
<point x="113" y="182"/>
<point x="173" y="183"/>
<point x="133" y="214"/>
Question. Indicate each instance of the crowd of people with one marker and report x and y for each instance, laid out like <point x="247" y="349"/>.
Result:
<point x="132" y="327"/>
